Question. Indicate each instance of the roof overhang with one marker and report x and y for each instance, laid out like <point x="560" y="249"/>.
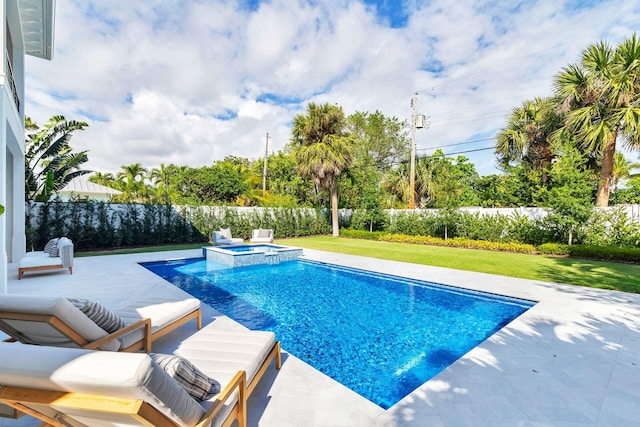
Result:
<point x="37" y="20"/>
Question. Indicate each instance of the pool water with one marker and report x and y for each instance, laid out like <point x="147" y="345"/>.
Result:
<point x="382" y="336"/>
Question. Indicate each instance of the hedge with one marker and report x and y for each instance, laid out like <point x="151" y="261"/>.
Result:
<point x="96" y="224"/>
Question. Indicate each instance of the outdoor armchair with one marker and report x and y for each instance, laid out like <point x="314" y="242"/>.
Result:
<point x="57" y="254"/>
<point x="262" y="235"/>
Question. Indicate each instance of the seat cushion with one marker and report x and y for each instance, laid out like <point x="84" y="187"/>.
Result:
<point x="39" y="261"/>
<point x="161" y="312"/>
<point x="221" y="353"/>
<point x="116" y="374"/>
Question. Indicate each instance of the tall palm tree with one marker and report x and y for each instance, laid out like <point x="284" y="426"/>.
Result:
<point x="107" y="179"/>
<point x="132" y="178"/>
<point x="601" y="96"/>
<point x="161" y="177"/>
<point x="622" y="170"/>
<point x="527" y="137"/>
<point x="322" y="149"/>
<point x="50" y="162"/>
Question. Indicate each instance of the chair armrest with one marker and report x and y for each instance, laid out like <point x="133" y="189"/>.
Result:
<point x="66" y="255"/>
<point x="238" y="381"/>
<point x="146" y="323"/>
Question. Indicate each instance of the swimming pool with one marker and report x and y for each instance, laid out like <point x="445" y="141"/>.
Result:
<point x="382" y="336"/>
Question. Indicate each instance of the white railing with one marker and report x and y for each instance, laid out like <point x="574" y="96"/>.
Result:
<point x="12" y="82"/>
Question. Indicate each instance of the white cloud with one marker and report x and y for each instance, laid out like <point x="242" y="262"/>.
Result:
<point x="193" y="82"/>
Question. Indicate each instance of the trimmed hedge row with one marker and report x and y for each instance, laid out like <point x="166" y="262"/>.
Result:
<point x="603" y="253"/>
<point x="456" y="242"/>
<point x="96" y="224"/>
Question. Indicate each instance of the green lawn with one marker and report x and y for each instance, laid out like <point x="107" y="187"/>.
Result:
<point x="596" y="274"/>
<point x="138" y="250"/>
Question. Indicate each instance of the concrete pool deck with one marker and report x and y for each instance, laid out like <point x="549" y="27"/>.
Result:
<point x="571" y="360"/>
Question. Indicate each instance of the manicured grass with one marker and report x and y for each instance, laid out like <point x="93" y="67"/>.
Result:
<point x="137" y="250"/>
<point x="595" y="274"/>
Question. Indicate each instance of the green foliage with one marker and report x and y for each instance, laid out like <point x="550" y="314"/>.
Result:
<point x="554" y="249"/>
<point x="322" y="149"/>
<point x="362" y="234"/>
<point x="571" y="189"/>
<point x="462" y="243"/>
<point x="1" y="209"/>
<point x="606" y="253"/>
<point x="50" y="162"/>
<point x="611" y="228"/>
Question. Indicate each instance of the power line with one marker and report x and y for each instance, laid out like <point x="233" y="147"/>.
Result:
<point x="470" y="151"/>
<point x="457" y="143"/>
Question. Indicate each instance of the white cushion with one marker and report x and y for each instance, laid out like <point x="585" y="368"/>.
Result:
<point x="121" y="375"/>
<point x="225" y="233"/>
<point x="264" y="233"/>
<point x="221" y="353"/>
<point x="43" y="333"/>
<point x="39" y="261"/>
<point x="160" y="311"/>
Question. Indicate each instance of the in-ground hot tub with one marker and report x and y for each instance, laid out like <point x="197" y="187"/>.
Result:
<point x="243" y="255"/>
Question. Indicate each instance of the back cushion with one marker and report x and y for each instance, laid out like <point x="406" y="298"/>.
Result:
<point x="52" y="248"/>
<point x="226" y="233"/>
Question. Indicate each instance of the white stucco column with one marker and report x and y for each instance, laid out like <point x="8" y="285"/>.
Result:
<point x="3" y="201"/>
<point x="18" y="237"/>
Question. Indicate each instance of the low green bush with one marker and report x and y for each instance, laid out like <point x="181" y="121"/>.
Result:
<point x="462" y="243"/>
<point x="554" y="249"/>
<point x="362" y="234"/>
<point x="606" y="253"/>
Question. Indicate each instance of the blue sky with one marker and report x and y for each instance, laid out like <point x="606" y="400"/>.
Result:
<point x="192" y="82"/>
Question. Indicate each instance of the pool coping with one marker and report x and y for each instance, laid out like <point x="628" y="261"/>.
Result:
<point x="569" y="360"/>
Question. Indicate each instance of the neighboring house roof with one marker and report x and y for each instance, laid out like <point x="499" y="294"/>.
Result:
<point x="37" y="19"/>
<point x="79" y="186"/>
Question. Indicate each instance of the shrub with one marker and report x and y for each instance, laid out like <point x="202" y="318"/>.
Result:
<point x="362" y="234"/>
<point x="554" y="249"/>
<point x="461" y="243"/>
<point x="606" y="253"/>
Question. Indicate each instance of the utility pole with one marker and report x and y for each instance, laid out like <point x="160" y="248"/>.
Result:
<point x="264" y="169"/>
<point x="412" y="177"/>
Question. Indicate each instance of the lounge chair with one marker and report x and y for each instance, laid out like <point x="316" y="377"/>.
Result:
<point x="58" y="254"/>
<point x="262" y="235"/>
<point x="223" y="237"/>
<point x="65" y="386"/>
<point x="56" y="321"/>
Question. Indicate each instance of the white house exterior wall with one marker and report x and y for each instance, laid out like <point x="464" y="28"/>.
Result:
<point x="12" y="188"/>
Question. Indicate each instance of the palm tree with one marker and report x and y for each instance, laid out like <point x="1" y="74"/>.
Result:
<point x="133" y="186"/>
<point x="49" y="161"/>
<point x="107" y="179"/>
<point x="322" y="149"/>
<point x="161" y="177"/>
<point x="527" y="137"/>
<point x="622" y="170"/>
<point x="600" y="96"/>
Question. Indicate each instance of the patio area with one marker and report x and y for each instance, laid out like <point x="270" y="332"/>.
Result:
<point x="571" y="360"/>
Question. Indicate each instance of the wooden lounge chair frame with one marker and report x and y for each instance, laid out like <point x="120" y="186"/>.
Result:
<point x="65" y="329"/>
<point x="36" y="403"/>
<point x="48" y="405"/>
<point x="22" y="270"/>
